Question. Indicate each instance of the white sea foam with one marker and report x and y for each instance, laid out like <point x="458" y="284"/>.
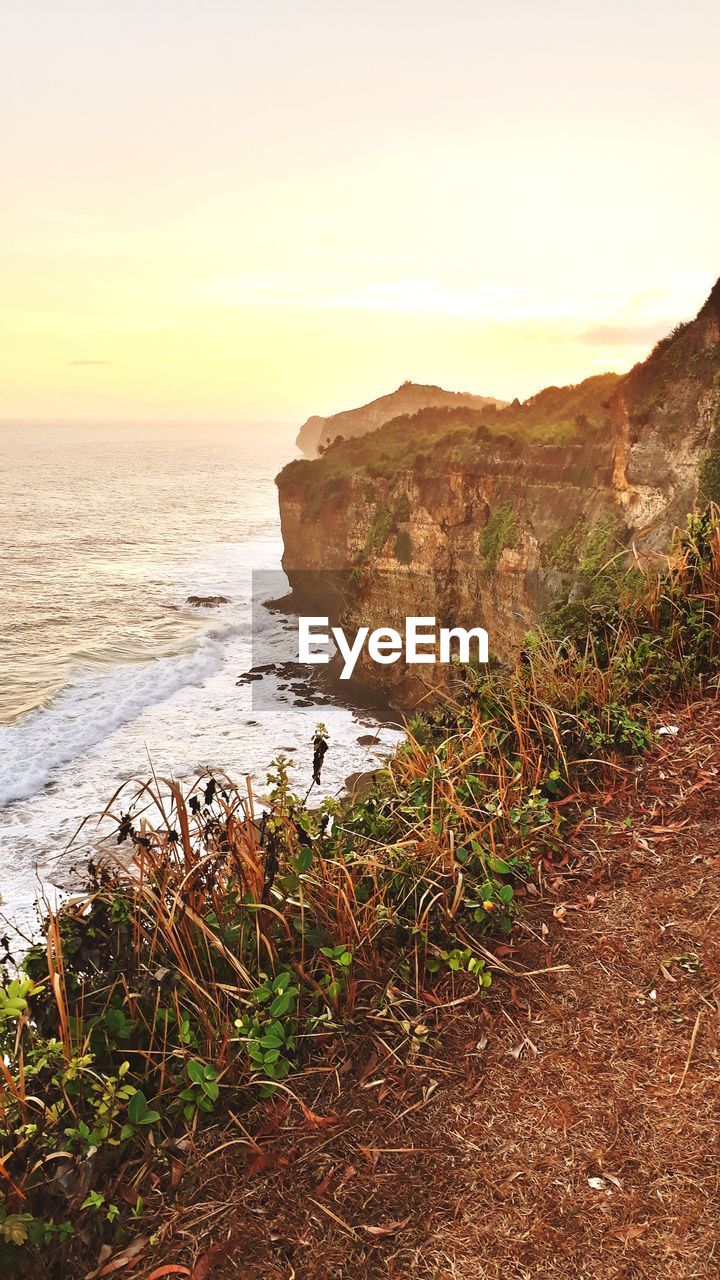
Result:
<point x="89" y="710"/>
<point x="103" y="541"/>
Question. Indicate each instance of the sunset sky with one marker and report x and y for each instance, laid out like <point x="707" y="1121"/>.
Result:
<point x="241" y="211"/>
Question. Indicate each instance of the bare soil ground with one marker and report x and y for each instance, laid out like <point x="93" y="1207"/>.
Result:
<point x="566" y="1126"/>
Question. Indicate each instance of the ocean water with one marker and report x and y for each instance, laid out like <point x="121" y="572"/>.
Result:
<point x="106" y="671"/>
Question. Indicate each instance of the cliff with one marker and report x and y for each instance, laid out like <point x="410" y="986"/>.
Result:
<point x="666" y="427"/>
<point x="487" y="516"/>
<point x="317" y="433"/>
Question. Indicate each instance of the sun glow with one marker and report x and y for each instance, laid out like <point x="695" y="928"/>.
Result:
<point x="235" y="212"/>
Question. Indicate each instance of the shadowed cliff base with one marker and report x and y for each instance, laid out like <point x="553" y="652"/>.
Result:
<point x="404" y="637"/>
<point x="278" y="654"/>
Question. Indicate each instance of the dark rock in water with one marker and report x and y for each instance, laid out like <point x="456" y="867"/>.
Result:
<point x="301" y="699"/>
<point x="256" y="673"/>
<point x="289" y="669"/>
<point x="206" y="602"/>
<point x="368" y="740"/>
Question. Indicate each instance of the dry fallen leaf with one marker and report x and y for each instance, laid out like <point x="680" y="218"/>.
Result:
<point x="600" y="1184"/>
<point x="631" y="1233"/>
<point x="171" y="1269"/>
<point x="369" y="1068"/>
<point x="372" y="1155"/>
<point x="207" y="1262"/>
<point x="388" y="1228"/>
<point x="324" y="1185"/>
<point x="120" y="1260"/>
<point x="316" y="1121"/>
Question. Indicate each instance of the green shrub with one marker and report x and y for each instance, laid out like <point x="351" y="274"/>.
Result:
<point x="563" y="550"/>
<point x="499" y="532"/>
<point x="709" y="476"/>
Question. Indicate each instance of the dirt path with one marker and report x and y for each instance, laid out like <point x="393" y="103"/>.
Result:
<point x="566" y="1128"/>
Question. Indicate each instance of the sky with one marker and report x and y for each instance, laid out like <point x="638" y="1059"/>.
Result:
<point x="241" y="211"/>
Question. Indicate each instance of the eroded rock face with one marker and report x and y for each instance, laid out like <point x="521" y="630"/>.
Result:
<point x="475" y="545"/>
<point x="489" y="526"/>
<point x="666" y="418"/>
<point x="310" y="434"/>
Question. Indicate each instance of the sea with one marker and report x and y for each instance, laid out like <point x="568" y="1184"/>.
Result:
<point x="107" y="673"/>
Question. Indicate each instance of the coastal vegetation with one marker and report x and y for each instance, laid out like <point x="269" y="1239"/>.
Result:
<point x="439" y="437"/>
<point x="228" y="942"/>
<point x="317" y="433"/>
<point x="499" y="532"/>
<point x="709" y="477"/>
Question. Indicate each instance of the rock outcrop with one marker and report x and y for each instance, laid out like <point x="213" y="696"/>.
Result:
<point x="317" y="433"/>
<point x="486" y="516"/>
<point x="666" y="427"/>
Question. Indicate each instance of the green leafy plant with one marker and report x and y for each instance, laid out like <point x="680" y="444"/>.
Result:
<point x="202" y="1092"/>
<point x="461" y="961"/>
<point x="269" y="1031"/>
<point x="14" y="998"/>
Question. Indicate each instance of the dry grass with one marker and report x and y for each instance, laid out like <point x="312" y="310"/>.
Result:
<point x="473" y="1161"/>
<point x="422" y="1133"/>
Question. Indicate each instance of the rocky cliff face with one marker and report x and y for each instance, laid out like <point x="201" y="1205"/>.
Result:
<point x="484" y="517"/>
<point x="666" y="427"/>
<point x="317" y="432"/>
<point x="488" y="542"/>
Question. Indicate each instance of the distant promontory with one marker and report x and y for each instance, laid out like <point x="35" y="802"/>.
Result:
<point x="317" y="433"/>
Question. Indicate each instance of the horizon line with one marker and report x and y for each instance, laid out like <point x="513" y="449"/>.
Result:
<point x="14" y="419"/>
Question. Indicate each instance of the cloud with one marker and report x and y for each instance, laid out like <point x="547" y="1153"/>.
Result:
<point x="346" y="291"/>
<point x="79" y="364"/>
<point x="628" y="335"/>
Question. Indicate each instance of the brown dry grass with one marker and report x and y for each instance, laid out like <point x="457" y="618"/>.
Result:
<point x="471" y="1159"/>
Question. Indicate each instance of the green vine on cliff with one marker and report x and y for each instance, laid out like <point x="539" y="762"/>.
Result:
<point x="709" y="475"/>
<point x="499" y="532"/>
